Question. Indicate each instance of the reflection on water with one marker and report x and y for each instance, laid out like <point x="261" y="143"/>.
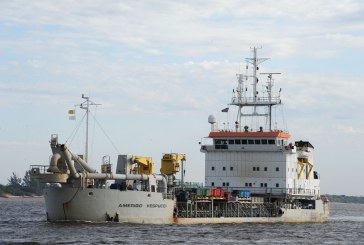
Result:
<point x="23" y="220"/>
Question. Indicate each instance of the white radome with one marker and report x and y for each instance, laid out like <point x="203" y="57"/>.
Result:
<point x="212" y="119"/>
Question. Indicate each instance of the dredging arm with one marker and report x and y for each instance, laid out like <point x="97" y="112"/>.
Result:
<point x="61" y="168"/>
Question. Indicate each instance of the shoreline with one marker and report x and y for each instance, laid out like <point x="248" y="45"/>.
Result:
<point x="12" y="196"/>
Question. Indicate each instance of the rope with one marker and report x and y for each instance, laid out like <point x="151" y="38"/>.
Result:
<point x="115" y="148"/>
<point x="75" y="130"/>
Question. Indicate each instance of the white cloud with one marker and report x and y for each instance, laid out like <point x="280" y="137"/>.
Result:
<point x="152" y="60"/>
<point x="347" y="129"/>
<point x="214" y="26"/>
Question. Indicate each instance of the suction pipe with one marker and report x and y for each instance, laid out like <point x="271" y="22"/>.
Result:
<point x="82" y="163"/>
<point x="68" y="157"/>
<point x="61" y="151"/>
<point x="53" y="163"/>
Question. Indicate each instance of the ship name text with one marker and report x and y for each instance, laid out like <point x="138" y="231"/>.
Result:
<point x="156" y="205"/>
<point x="130" y="205"/>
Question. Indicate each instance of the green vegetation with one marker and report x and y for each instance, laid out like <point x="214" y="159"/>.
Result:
<point x="345" y="199"/>
<point x="21" y="187"/>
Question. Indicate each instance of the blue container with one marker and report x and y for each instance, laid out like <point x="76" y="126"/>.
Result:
<point x="245" y="194"/>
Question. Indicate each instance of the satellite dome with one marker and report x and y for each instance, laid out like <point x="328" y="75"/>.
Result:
<point x="212" y="119"/>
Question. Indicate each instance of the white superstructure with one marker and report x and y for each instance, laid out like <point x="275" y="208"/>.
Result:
<point x="261" y="160"/>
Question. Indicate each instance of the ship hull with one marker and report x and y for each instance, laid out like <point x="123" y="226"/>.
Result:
<point x="100" y="205"/>
<point x="138" y="207"/>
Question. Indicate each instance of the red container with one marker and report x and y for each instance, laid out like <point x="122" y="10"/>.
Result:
<point x="212" y="192"/>
<point x="227" y="196"/>
<point x="222" y="193"/>
<point x="217" y="193"/>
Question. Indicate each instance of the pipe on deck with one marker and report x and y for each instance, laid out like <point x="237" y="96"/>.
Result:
<point x="68" y="157"/>
<point x="63" y="152"/>
<point x="82" y="162"/>
<point x="127" y="177"/>
<point x="53" y="163"/>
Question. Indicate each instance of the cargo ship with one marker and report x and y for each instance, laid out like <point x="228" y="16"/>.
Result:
<point x="253" y="173"/>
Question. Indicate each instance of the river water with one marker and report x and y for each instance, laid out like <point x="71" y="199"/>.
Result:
<point x="23" y="221"/>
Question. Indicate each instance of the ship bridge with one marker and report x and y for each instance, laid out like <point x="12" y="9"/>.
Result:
<point x="261" y="160"/>
<point x="240" y="141"/>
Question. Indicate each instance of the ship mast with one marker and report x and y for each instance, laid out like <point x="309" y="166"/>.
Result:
<point x="242" y="100"/>
<point x="255" y="61"/>
<point x="86" y="106"/>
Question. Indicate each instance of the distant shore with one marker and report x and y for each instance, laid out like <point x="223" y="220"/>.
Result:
<point x="7" y="195"/>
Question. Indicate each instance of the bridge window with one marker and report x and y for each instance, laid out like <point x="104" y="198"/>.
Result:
<point x="221" y="142"/>
<point x="237" y="142"/>
<point x="264" y="142"/>
<point x="251" y="142"/>
<point x="257" y="142"/>
<point x="231" y="142"/>
<point x="221" y="146"/>
<point x="271" y="142"/>
<point x="244" y="142"/>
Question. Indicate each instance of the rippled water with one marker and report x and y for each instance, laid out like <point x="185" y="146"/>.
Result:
<point x="22" y="220"/>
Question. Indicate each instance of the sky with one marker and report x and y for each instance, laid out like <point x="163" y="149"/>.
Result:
<point x="160" y="68"/>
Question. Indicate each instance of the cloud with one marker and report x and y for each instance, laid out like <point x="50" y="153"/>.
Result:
<point x="175" y="62"/>
<point x="348" y="129"/>
<point x="214" y="26"/>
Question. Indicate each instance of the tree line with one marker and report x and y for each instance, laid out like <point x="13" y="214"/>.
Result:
<point x="345" y="199"/>
<point x="21" y="186"/>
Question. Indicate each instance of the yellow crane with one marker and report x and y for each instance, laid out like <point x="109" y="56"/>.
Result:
<point x="302" y="162"/>
<point x="302" y="165"/>
<point x="142" y="165"/>
<point x="170" y="163"/>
